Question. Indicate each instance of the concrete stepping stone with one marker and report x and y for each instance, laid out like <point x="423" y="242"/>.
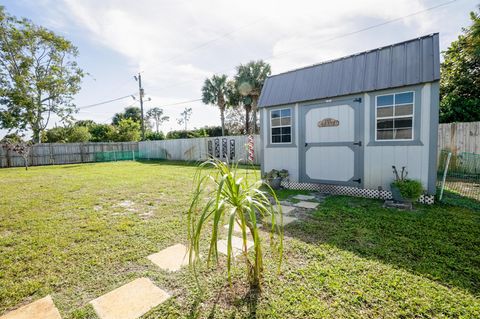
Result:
<point x="129" y="301"/>
<point x="237" y="246"/>
<point x="304" y="197"/>
<point x="172" y="258"/>
<point x="308" y="205"/>
<point x="41" y="309"/>
<point x="285" y="209"/>
<point x="286" y="220"/>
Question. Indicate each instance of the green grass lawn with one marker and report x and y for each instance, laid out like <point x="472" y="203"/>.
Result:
<point x="79" y="231"/>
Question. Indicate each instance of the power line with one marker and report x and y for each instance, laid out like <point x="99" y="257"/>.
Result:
<point x="183" y="102"/>
<point x="280" y="54"/>
<point x="206" y="43"/>
<point x="367" y="28"/>
<point x="106" y="102"/>
<point x="334" y="38"/>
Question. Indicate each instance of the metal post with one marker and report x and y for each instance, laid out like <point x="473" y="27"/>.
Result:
<point x="114" y="155"/>
<point x="445" y="174"/>
<point x="133" y="155"/>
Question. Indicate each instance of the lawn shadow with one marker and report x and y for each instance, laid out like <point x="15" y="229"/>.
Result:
<point x="166" y="162"/>
<point x="440" y="242"/>
<point x="250" y="299"/>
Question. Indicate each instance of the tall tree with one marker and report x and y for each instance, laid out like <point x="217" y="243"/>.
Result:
<point x="38" y="75"/>
<point x="185" y="117"/>
<point x="215" y="92"/>
<point x="235" y="102"/>
<point x="250" y="79"/>
<point x="156" y="115"/>
<point x="127" y="130"/>
<point x="460" y="76"/>
<point x="131" y="112"/>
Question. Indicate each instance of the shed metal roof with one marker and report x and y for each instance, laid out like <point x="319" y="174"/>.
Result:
<point x="406" y="63"/>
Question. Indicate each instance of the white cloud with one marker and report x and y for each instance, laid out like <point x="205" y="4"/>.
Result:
<point x="179" y="43"/>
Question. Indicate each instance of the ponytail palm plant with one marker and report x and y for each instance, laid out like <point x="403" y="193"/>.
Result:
<point x="223" y="194"/>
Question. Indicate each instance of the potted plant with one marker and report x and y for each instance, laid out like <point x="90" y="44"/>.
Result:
<point x="404" y="189"/>
<point x="274" y="177"/>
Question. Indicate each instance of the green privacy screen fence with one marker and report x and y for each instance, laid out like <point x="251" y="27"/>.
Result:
<point x="113" y="156"/>
<point x="459" y="174"/>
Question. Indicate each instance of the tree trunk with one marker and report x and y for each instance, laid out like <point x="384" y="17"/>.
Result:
<point x="254" y="115"/>
<point x="222" y="119"/>
<point x="247" y="120"/>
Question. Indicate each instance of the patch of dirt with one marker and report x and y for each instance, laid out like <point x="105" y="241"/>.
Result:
<point x="147" y="215"/>
<point x="128" y="205"/>
<point x="5" y="233"/>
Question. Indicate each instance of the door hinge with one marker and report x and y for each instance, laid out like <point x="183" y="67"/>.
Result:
<point x="359" y="180"/>
<point x="358" y="99"/>
<point x="359" y="143"/>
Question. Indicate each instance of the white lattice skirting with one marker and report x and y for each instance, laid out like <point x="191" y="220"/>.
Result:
<point x="350" y="191"/>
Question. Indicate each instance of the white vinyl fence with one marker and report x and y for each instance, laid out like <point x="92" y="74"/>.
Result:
<point x="232" y="148"/>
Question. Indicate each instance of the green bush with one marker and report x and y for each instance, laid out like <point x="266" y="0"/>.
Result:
<point x="409" y="188"/>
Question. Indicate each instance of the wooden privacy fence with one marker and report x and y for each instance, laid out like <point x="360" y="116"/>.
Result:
<point x="71" y="153"/>
<point x="459" y="137"/>
<point x="233" y="148"/>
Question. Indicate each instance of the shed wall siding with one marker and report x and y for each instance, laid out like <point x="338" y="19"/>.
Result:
<point x="379" y="159"/>
<point x="280" y="157"/>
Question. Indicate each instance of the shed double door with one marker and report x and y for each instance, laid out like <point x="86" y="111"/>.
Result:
<point x="330" y="144"/>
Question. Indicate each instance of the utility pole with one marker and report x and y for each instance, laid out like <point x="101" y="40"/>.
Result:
<point x="141" y="93"/>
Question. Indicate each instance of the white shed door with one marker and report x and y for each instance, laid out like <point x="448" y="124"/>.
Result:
<point x="330" y="148"/>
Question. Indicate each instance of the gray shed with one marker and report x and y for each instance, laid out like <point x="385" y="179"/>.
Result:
<point x="346" y="122"/>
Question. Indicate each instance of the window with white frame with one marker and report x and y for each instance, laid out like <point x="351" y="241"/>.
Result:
<point x="394" y="116"/>
<point x="281" y="126"/>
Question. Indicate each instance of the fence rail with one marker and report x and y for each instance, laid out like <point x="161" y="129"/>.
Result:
<point x="71" y="153"/>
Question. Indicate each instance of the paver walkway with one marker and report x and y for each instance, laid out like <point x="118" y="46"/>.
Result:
<point x="304" y="197"/>
<point x="285" y="209"/>
<point x="130" y="301"/>
<point x="308" y="205"/>
<point x="41" y="309"/>
<point x="172" y="258"/>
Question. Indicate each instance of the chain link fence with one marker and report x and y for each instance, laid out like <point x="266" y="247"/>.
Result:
<point x="458" y="175"/>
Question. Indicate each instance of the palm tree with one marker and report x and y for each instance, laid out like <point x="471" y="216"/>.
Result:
<point x="236" y="100"/>
<point x="215" y="92"/>
<point x="250" y="78"/>
<point x="156" y="115"/>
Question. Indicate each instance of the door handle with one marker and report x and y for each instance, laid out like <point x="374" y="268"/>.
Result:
<point x="358" y="143"/>
<point x="359" y="180"/>
<point x="306" y="144"/>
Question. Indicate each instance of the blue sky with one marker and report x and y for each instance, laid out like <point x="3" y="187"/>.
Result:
<point x="177" y="44"/>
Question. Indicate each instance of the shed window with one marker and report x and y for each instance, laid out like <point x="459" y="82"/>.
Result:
<point x="394" y="117"/>
<point x="281" y="126"/>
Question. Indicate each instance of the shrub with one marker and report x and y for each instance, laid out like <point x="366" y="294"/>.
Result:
<point x="409" y="189"/>
<point x="154" y="136"/>
<point x="239" y="200"/>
